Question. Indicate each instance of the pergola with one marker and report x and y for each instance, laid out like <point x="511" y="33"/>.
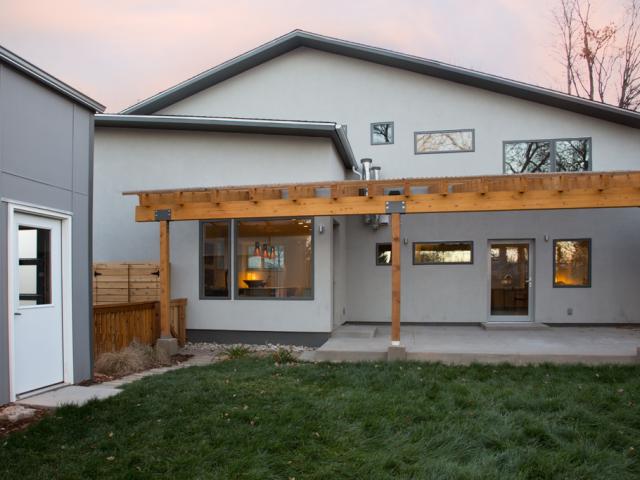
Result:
<point x="397" y="197"/>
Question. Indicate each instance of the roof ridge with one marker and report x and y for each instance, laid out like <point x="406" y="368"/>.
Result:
<point x="383" y="56"/>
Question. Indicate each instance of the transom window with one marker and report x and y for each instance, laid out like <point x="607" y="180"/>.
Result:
<point x="382" y="133"/>
<point x="444" y="141"/>
<point x="540" y="156"/>
<point x="436" y="253"/>
<point x="572" y="263"/>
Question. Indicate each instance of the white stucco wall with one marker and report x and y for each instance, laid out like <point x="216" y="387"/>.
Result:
<point x="136" y="159"/>
<point x="311" y="85"/>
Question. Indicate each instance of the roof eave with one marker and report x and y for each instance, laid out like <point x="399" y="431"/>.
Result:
<point x="20" y="64"/>
<point x="330" y="130"/>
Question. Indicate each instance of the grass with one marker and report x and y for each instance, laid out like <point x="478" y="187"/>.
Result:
<point x="251" y="419"/>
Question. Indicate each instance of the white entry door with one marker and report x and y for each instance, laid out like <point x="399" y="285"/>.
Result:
<point x="36" y="257"/>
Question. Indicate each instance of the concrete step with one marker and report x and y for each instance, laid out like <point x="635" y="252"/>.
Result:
<point x="355" y="331"/>
<point x="514" y="326"/>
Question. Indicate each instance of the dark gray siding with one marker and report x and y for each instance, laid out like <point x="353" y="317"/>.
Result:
<point x="46" y="148"/>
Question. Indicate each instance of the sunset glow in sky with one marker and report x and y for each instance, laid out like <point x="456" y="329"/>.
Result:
<point x="122" y="51"/>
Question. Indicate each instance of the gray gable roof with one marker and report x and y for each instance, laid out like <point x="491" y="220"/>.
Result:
<point x="42" y="77"/>
<point x="331" y="130"/>
<point x="381" y="56"/>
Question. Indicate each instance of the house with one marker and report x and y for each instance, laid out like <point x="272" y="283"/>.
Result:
<point x="46" y="162"/>
<point x="302" y="108"/>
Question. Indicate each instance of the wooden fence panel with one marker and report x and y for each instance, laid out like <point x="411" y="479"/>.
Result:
<point x="115" y="326"/>
<point x="125" y="282"/>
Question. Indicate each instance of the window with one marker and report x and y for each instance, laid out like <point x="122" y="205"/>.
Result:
<point x="436" y="253"/>
<point x="539" y="156"/>
<point x="214" y="259"/>
<point x="444" y="141"/>
<point x="572" y="263"/>
<point x="34" y="280"/>
<point x="383" y="254"/>
<point x="382" y="133"/>
<point x="274" y="258"/>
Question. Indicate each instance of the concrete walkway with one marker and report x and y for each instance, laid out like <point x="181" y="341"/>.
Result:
<point x="467" y="344"/>
<point x="78" y="395"/>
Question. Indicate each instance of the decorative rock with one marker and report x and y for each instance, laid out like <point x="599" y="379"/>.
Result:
<point x="13" y="413"/>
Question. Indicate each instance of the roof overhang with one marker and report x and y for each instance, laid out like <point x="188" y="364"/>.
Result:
<point x="42" y="77"/>
<point x="331" y="130"/>
<point x="390" y="58"/>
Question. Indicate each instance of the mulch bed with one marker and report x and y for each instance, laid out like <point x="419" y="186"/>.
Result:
<point x="101" y="378"/>
<point x="7" y="427"/>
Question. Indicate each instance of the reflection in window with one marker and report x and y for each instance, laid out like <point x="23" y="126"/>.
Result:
<point x="34" y="279"/>
<point x="215" y="259"/>
<point x="274" y="258"/>
<point x="572" y="261"/>
<point x="445" y="141"/>
<point x="382" y="133"/>
<point x="383" y="254"/>
<point x="539" y="156"/>
<point x="527" y="157"/>
<point x="434" y="253"/>
<point x="573" y="155"/>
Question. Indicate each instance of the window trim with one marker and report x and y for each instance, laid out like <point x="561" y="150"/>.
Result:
<point x="473" y="141"/>
<point x="236" y="289"/>
<point x="201" y="294"/>
<point x="378" y="264"/>
<point x="553" y="260"/>
<point x="448" y="242"/>
<point x="393" y="139"/>
<point x="552" y="152"/>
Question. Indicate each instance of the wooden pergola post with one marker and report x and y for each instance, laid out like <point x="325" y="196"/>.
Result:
<point x="165" y="280"/>
<point x="395" y="279"/>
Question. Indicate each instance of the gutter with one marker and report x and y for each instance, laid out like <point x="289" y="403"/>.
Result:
<point x="297" y="128"/>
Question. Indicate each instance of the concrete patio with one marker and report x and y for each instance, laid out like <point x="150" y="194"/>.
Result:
<point x="517" y="344"/>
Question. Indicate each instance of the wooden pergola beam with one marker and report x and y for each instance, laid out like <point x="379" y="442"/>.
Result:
<point x="421" y="195"/>
<point x="426" y="203"/>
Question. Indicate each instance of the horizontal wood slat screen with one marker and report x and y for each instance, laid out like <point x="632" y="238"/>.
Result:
<point x="125" y="282"/>
<point x="115" y="326"/>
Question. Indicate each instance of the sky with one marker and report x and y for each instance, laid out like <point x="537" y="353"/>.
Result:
<point x="122" y="51"/>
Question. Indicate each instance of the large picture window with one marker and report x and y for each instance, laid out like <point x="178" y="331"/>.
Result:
<point x="540" y="156"/>
<point x="572" y="263"/>
<point x="215" y="259"/>
<point x="437" y="253"/>
<point x="274" y="258"/>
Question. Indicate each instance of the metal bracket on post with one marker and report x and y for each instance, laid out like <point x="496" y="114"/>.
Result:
<point x="160" y="215"/>
<point x="395" y="207"/>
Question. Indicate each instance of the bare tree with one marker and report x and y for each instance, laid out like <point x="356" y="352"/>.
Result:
<point x="629" y="92"/>
<point x="596" y="66"/>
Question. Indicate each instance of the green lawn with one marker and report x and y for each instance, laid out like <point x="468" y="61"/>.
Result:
<point x="249" y="418"/>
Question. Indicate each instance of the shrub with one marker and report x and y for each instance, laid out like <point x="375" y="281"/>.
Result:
<point x="284" y="355"/>
<point x="234" y="352"/>
<point x="134" y="358"/>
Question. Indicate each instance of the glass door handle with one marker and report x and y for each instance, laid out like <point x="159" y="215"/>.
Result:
<point x="529" y="282"/>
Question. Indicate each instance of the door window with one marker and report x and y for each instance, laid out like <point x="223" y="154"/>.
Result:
<point x="510" y="279"/>
<point x="34" y="265"/>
